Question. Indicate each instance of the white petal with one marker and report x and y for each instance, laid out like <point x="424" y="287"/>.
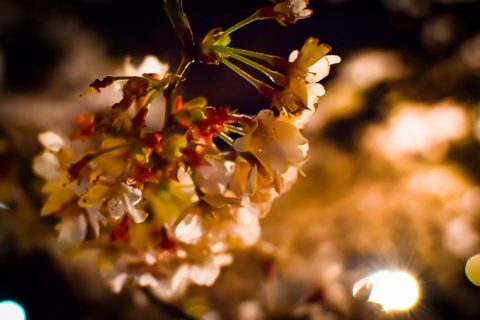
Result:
<point x="314" y="91"/>
<point x="173" y="287"/>
<point x="290" y="176"/>
<point x="318" y="71"/>
<point x="204" y="274"/>
<point x="116" y="284"/>
<point x="189" y="230"/>
<point x="130" y="198"/>
<point x="150" y="64"/>
<point x="333" y="59"/>
<point x="71" y="230"/>
<point x="134" y="194"/>
<point x="147" y="280"/>
<point x="293" y="55"/>
<point x="46" y="165"/>
<point x="247" y="227"/>
<point x="95" y="217"/>
<point x="115" y="207"/>
<point x="51" y="141"/>
<point x="138" y="215"/>
<point x="213" y="177"/>
<point x="223" y="260"/>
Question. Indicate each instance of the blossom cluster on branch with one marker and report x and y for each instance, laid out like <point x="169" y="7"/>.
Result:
<point x="164" y="206"/>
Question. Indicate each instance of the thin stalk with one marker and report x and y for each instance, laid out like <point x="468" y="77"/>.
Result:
<point x="234" y="129"/>
<point x="275" y="76"/>
<point x="227" y="139"/>
<point x="263" y="88"/>
<point x="273" y="60"/>
<point x="169" y="91"/>
<point x="260" y="14"/>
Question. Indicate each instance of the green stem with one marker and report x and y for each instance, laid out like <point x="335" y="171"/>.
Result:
<point x="273" y="75"/>
<point x="260" y="14"/>
<point x="234" y="129"/>
<point x="263" y="88"/>
<point x="180" y="23"/>
<point x="275" y="61"/>
<point x="227" y="139"/>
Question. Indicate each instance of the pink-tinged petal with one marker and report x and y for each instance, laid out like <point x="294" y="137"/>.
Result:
<point x="51" y="141"/>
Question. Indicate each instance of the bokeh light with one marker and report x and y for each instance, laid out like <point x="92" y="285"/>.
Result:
<point x="11" y="310"/>
<point x="472" y="269"/>
<point x="393" y="290"/>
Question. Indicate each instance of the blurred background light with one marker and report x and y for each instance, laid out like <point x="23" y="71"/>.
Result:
<point x="11" y="310"/>
<point x="472" y="269"/>
<point x="393" y="290"/>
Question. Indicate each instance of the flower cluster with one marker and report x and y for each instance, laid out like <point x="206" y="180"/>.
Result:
<point x="164" y="206"/>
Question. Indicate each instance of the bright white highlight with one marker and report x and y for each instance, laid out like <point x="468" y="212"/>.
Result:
<point x="393" y="290"/>
<point x="10" y="310"/>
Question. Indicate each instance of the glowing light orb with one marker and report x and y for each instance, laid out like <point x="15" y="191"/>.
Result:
<point x="472" y="269"/>
<point x="10" y="310"/>
<point x="393" y="290"/>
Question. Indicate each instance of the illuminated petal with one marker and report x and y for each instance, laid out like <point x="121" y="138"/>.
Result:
<point x="72" y="230"/>
<point x="95" y="218"/>
<point x="213" y="177"/>
<point x="190" y="229"/>
<point x="134" y="195"/>
<point x="168" y="289"/>
<point x="150" y="64"/>
<point x="247" y="227"/>
<point x="293" y="55"/>
<point x="57" y="200"/>
<point x="51" y="141"/>
<point x="46" y="165"/>
<point x="115" y="207"/>
<point x="117" y="283"/>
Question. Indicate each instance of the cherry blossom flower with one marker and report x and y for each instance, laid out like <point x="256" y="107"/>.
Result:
<point x="52" y="165"/>
<point x="307" y="67"/>
<point x="206" y="174"/>
<point x="276" y="143"/>
<point x="292" y="10"/>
